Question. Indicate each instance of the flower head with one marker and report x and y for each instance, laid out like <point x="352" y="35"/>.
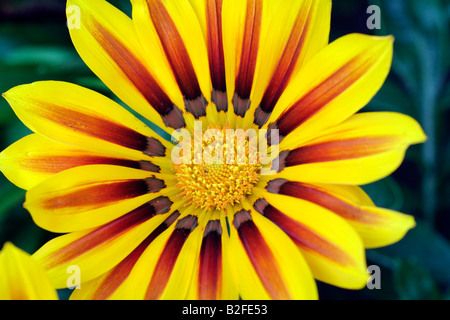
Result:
<point x="263" y="194"/>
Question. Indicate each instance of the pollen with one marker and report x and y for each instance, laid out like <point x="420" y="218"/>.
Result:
<point x="223" y="169"/>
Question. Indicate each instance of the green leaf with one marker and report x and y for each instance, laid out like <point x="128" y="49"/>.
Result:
<point x="414" y="282"/>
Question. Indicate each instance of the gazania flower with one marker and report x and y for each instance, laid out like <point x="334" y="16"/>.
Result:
<point x="22" y="278"/>
<point x="140" y="223"/>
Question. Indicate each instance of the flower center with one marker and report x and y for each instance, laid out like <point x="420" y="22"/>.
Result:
<point x="222" y="171"/>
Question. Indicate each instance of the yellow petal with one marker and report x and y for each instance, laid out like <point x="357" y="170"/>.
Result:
<point x="105" y="286"/>
<point x="96" y="251"/>
<point x="171" y="27"/>
<point x="108" y="44"/>
<point x="75" y="115"/>
<point x="331" y="247"/>
<point x="22" y="278"/>
<point x="165" y="269"/>
<point x="292" y="33"/>
<point x="89" y="196"/>
<point x="363" y="149"/>
<point x="376" y="226"/>
<point x="212" y="277"/>
<point x="34" y="158"/>
<point x="333" y="85"/>
<point x="264" y="262"/>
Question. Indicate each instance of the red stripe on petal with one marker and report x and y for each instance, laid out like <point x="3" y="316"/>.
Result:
<point x="178" y="58"/>
<point x="249" y="54"/>
<point x="96" y="196"/>
<point x="303" y="236"/>
<point x="216" y="55"/>
<point x="260" y="255"/>
<point x="119" y="273"/>
<point x="329" y="89"/>
<point x="285" y="68"/>
<point x="110" y="231"/>
<point x="139" y="76"/>
<point x="101" y="129"/>
<point x="210" y="269"/>
<point x="169" y="256"/>
<point x="322" y="198"/>
<point x="59" y="163"/>
<point x="338" y="150"/>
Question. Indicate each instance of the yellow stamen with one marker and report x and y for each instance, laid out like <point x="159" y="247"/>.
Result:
<point x="217" y="185"/>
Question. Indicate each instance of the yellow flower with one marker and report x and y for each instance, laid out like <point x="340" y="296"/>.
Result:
<point x="139" y="223"/>
<point x="22" y="278"/>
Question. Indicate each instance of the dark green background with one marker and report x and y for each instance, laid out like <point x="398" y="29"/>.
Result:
<point x="35" y="45"/>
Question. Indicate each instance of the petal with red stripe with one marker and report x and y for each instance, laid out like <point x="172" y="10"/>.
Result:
<point x="78" y="116"/>
<point x="212" y="277"/>
<point x="376" y="226"/>
<point x="89" y="196"/>
<point x="296" y="31"/>
<point x="265" y="263"/>
<point x="363" y="149"/>
<point x="108" y="44"/>
<point x="35" y="158"/>
<point x="173" y="26"/>
<point x="96" y="251"/>
<point x="331" y="248"/>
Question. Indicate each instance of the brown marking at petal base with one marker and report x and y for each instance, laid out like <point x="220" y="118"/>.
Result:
<point x="178" y="58"/>
<point x="119" y="273"/>
<point x="279" y="163"/>
<point x="260" y="255"/>
<point x="155" y="148"/>
<point x="109" y="231"/>
<point x="169" y="256"/>
<point x="249" y="54"/>
<point x="303" y="236"/>
<point x="286" y="65"/>
<point x="139" y="76"/>
<point x="210" y="268"/>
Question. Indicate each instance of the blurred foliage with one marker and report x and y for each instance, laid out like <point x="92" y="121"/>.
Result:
<point x="35" y="45"/>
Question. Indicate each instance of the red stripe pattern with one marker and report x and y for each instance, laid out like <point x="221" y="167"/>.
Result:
<point x="99" y="195"/>
<point x="210" y="269"/>
<point x="101" y="129"/>
<point x="260" y="255"/>
<point x="178" y="58"/>
<point x="285" y="68"/>
<point x="322" y="198"/>
<point x="119" y="273"/>
<point x="303" y="237"/>
<point x="314" y="100"/>
<point x="337" y="150"/>
<point x="249" y="54"/>
<point x="60" y="163"/>
<point x="169" y="256"/>
<point x="139" y="76"/>
<point x="109" y="231"/>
